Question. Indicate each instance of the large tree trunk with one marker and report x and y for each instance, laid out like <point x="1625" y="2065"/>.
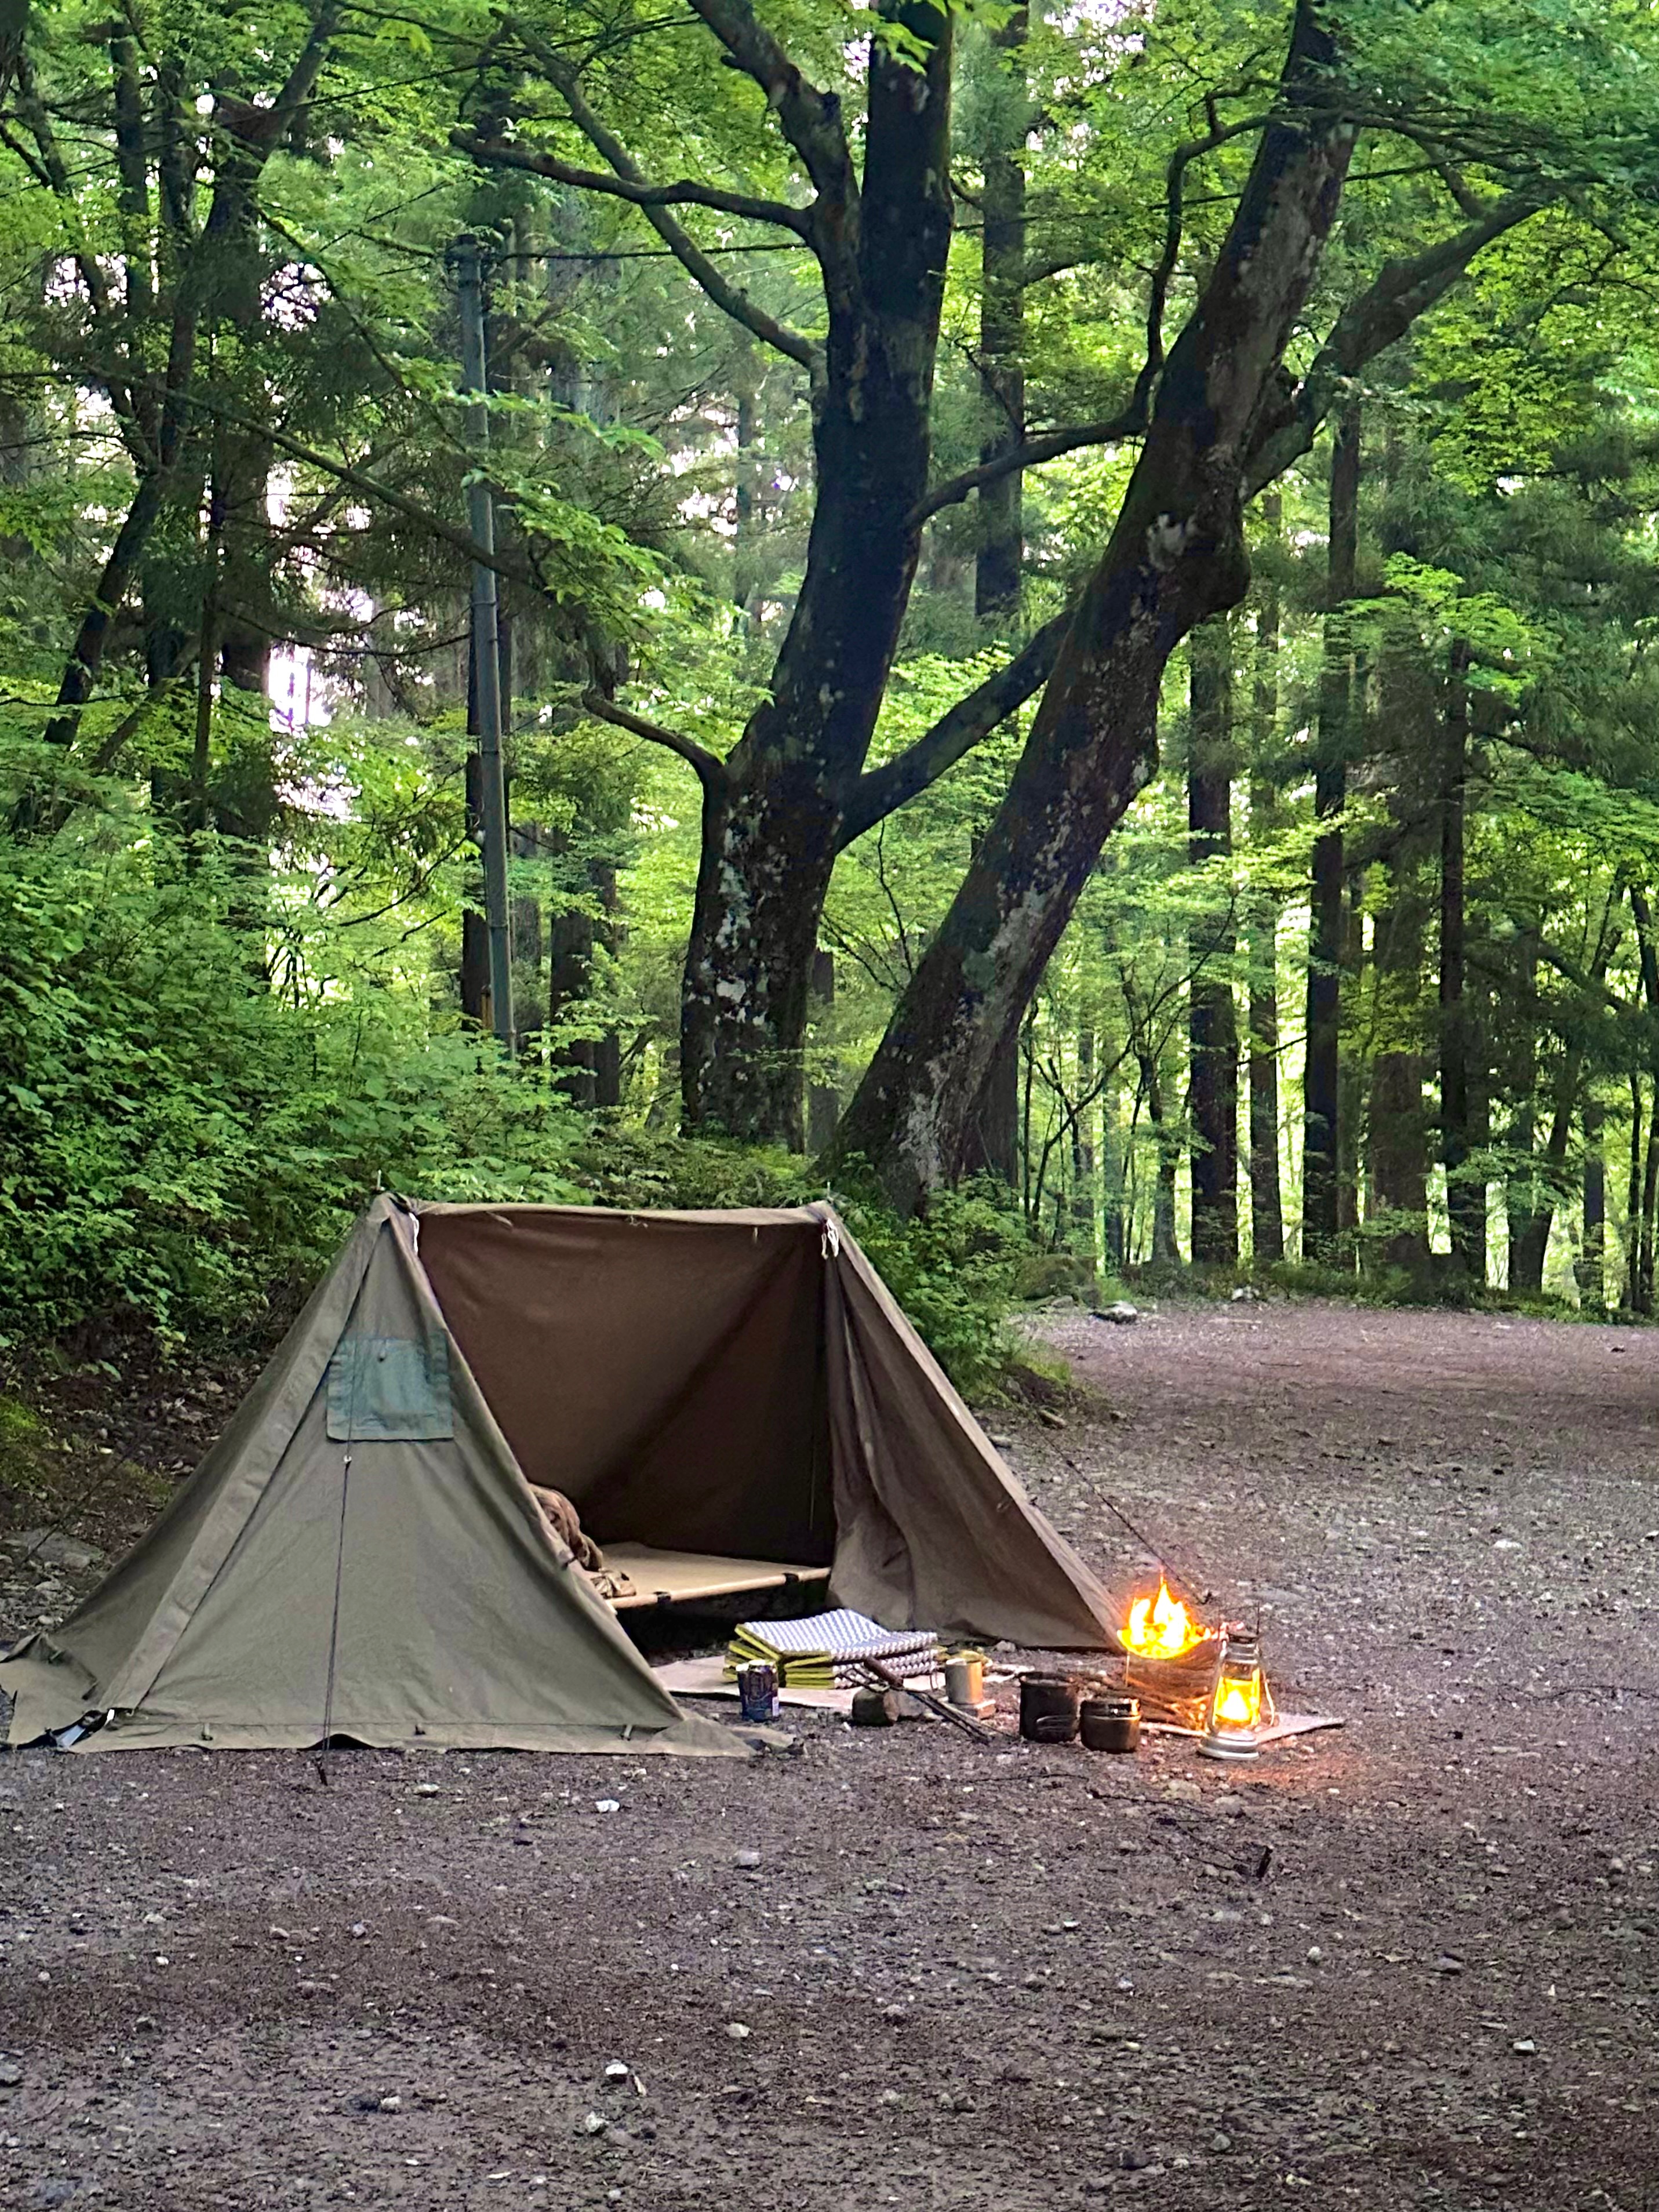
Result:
<point x="1634" y="1188"/>
<point x="592" y="1064"/>
<point x="1327" y="925"/>
<point x="1352" y="1076"/>
<point x="1641" y="1270"/>
<point x="1085" y="1204"/>
<point x="245" y="802"/>
<point x="1567" y="1084"/>
<point x="120" y="570"/>
<point x="1525" y="1211"/>
<point x="771" y="823"/>
<point x="1166" y="1249"/>
<point x="990" y="1143"/>
<point x="1212" y="1027"/>
<point x="1114" y="1179"/>
<point x="1267" y="1204"/>
<point x="1527" y="1264"/>
<point x="1176" y="555"/>
<point x="822" y="1099"/>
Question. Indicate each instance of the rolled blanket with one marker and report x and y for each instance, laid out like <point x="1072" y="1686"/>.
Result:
<point x="564" y="1522"/>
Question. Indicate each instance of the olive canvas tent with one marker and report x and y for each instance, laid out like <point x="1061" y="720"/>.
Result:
<point x="731" y="1401"/>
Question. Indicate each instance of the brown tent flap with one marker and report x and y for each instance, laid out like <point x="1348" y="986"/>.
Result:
<point x="359" y="1553"/>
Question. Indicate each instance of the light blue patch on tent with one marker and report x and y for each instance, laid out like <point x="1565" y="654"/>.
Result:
<point x="390" y="1389"/>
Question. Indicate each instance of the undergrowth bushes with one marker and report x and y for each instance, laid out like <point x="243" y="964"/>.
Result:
<point x="182" y="1147"/>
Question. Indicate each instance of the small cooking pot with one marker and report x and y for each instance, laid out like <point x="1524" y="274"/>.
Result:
<point x="1048" y="1707"/>
<point x="1110" y="1724"/>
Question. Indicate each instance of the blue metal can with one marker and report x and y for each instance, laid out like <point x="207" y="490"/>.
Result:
<point x="757" y="1691"/>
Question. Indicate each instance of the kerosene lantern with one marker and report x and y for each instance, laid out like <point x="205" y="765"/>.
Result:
<point x="1240" y="1704"/>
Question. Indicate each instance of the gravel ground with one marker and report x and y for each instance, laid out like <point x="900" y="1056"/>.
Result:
<point x="1003" y="1978"/>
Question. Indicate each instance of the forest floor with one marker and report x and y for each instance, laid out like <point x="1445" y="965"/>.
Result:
<point x="999" y="1978"/>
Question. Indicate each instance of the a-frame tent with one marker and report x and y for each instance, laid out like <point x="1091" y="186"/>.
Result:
<point x="360" y="1553"/>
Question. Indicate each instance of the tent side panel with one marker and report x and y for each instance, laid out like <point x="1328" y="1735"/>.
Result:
<point x="982" y="1560"/>
<point x="121" y="1633"/>
<point x="458" y="1620"/>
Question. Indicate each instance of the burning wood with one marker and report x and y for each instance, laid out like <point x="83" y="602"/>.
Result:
<point x="1161" y="1628"/>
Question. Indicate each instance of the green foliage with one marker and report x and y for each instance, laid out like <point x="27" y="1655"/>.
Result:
<point x="181" y="1144"/>
<point x="956" y="1270"/>
<point x="216" y="1042"/>
<point x="27" y="1450"/>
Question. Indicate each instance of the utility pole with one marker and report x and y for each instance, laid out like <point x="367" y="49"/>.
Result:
<point x="486" y="648"/>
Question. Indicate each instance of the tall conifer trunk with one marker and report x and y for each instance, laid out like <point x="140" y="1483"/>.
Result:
<point x="1212" y="1026"/>
<point x="1466" y="1198"/>
<point x="1593" y="1264"/>
<point x="1398" y="1129"/>
<point x="1267" y="1204"/>
<point x="1327" y="928"/>
<point x="1527" y="1215"/>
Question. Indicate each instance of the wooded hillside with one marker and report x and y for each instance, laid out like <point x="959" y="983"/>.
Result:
<point x="1077" y="593"/>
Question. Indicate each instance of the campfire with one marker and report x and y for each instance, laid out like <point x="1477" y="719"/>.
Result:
<point x="1192" y="1675"/>
<point x="1161" y="1628"/>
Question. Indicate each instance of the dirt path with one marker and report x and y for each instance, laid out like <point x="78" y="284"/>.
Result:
<point x="1003" y="1980"/>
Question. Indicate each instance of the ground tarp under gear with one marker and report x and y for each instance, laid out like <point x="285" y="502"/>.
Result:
<point x="362" y="1553"/>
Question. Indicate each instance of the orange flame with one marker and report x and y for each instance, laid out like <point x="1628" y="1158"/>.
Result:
<point x="1237" y="1702"/>
<point x="1161" y="1628"/>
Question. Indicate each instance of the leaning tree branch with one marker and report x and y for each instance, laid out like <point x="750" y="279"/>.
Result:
<point x="810" y="119"/>
<point x="1157" y="298"/>
<point x="1133" y="418"/>
<point x="1368" y="325"/>
<point x="114" y="743"/>
<point x="885" y="789"/>
<point x="504" y="154"/>
<point x="709" y="767"/>
<point x="731" y="299"/>
<point x="1048" y="446"/>
<point x="300" y="82"/>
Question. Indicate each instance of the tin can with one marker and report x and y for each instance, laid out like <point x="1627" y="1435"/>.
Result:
<point x="965" y="1678"/>
<point x="757" y="1691"/>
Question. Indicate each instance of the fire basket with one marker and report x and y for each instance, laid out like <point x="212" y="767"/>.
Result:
<point x="1171" y="1659"/>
